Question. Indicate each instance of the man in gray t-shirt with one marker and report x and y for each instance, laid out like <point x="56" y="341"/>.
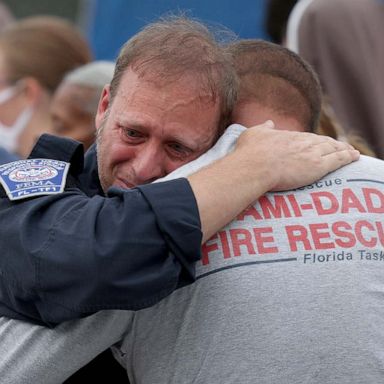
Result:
<point x="290" y="292"/>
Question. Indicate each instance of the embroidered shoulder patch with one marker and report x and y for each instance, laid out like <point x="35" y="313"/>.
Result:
<point x="33" y="177"/>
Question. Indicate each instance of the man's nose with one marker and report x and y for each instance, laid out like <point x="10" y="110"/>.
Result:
<point x="149" y="164"/>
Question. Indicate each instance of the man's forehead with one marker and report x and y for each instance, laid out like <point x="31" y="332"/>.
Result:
<point x="186" y="81"/>
<point x="181" y="96"/>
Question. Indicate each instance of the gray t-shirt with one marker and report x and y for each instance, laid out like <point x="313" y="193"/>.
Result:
<point x="33" y="354"/>
<point x="290" y="292"/>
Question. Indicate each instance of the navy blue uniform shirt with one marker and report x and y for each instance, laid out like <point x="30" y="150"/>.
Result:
<point x="71" y="254"/>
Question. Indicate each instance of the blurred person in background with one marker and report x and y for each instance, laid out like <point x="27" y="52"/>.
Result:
<point x="74" y="103"/>
<point x="276" y="19"/>
<point x="35" y="54"/>
<point x="329" y="125"/>
<point x="342" y="40"/>
<point x="6" y="16"/>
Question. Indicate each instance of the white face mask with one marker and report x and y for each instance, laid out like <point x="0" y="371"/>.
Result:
<point x="9" y="135"/>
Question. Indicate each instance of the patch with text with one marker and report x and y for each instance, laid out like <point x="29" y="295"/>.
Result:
<point x="33" y="177"/>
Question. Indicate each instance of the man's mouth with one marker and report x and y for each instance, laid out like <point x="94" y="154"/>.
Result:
<point x="121" y="183"/>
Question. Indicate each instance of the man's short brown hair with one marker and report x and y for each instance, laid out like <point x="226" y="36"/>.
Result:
<point x="277" y="78"/>
<point x="176" y="46"/>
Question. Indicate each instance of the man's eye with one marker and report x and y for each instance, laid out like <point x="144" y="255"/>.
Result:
<point x="179" y="149"/>
<point x="131" y="133"/>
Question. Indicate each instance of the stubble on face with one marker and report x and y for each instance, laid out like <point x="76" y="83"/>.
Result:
<point x="103" y="177"/>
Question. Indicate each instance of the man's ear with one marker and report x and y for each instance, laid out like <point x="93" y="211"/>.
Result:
<point x="102" y="107"/>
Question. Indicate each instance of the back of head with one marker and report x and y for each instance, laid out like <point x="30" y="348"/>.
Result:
<point x="277" y="78"/>
<point x="44" y="48"/>
<point x="93" y="76"/>
<point x="177" y="47"/>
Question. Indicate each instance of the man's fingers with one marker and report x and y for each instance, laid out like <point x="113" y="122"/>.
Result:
<point x="334" y="154"/>
<point x="328" y="146"/>
<point x="336" y="159"/>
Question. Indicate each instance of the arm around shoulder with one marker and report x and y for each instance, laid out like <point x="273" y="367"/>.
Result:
<point x="68" y="255"/>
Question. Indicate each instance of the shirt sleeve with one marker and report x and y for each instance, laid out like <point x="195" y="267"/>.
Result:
<point x="68" y="255"/>
<point x="52" y="355"/>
